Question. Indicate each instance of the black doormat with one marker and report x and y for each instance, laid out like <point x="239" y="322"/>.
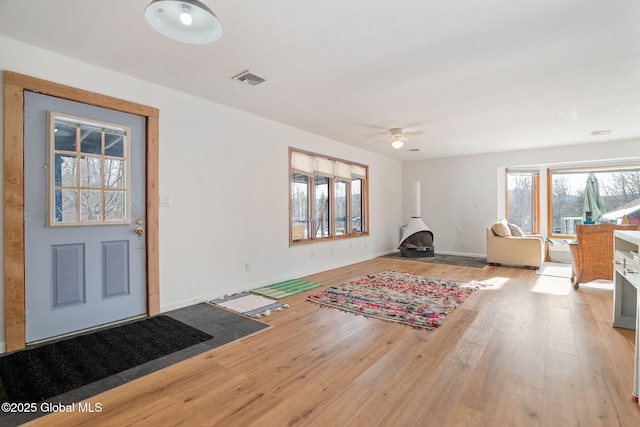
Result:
<point x="461" y="261"/>
<point x="36" y="374"/>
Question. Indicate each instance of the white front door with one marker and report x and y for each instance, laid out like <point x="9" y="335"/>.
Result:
<point x="84" y="216"/>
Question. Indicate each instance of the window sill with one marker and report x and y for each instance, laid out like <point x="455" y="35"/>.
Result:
<point x="326" y="239"/>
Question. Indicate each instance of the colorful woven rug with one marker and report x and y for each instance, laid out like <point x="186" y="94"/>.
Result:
<point x="284" y="289"/>
<point x="418" y="301"/>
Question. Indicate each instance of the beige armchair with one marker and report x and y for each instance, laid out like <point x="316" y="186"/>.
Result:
<point x="503" y="247"/>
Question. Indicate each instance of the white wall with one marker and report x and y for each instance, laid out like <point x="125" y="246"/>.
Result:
<point x="461" y="196"/>
<point x="226" y="173"/>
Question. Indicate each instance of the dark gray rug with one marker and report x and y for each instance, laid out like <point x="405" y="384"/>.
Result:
<point x="223" y="325"/>
<point x="36" y="374"/>
<point x="461" y="261"/>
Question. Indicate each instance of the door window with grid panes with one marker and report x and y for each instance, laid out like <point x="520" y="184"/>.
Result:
<point x="88" y="172"/>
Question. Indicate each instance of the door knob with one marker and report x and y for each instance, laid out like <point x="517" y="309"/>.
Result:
<point x="139" y="231"/>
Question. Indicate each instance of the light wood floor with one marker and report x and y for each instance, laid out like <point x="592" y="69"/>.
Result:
<point x="528" y="350"/>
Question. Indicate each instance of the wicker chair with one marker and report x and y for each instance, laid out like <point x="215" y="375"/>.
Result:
<point x="592" y="254"/>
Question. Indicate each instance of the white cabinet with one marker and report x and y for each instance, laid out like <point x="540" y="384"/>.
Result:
<point x="625" y="259"/>
<point x="625" y="293"/>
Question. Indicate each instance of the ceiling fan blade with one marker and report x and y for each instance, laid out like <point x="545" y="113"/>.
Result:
<point x="377" y="134"/>
<point x="375" y="127"/>
<point x="415" y="132"/>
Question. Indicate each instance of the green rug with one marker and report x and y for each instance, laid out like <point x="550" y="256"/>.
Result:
<point x="286" y="288"/>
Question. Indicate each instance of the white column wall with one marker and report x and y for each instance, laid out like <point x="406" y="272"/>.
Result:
<point x="226" y="175"/>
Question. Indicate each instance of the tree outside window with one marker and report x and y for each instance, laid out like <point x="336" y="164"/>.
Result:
<point x="327" y="198"/>
<point x="523" y="197"/>
<point x="88" y="180"/>
<point x="619" y="192"/>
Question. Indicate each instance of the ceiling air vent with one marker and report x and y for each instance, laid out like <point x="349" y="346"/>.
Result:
<point x="249" y="78"/>
<point x="601" y="132"/>
<point x="415" y="150"/>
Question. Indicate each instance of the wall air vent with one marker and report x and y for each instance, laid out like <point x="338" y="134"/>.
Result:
<point x="249" y="78"/>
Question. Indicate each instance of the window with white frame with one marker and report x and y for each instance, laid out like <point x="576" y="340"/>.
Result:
<point x="592" y="195"/>
<point x="523" y="199"/>
<point x="88" y="173"/>
<point x="327" y="197"/>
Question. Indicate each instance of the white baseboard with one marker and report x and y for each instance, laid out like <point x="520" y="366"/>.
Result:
<point x="302" y="273"/>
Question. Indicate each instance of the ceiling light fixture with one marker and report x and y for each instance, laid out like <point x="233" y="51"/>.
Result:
<point x="185" y="16"/>
<point x="398" y="141"/>
<point x="186" y="21"/>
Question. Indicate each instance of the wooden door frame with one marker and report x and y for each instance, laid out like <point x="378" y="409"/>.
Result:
<point x="13" y="198"/>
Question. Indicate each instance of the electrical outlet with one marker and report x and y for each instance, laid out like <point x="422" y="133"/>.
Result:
<point x="247" y="266"/>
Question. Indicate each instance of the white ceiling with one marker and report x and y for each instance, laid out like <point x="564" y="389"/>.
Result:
<point x="476" y="76"/>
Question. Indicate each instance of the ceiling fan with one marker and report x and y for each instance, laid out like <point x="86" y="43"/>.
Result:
<point x="398" y="136"/>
